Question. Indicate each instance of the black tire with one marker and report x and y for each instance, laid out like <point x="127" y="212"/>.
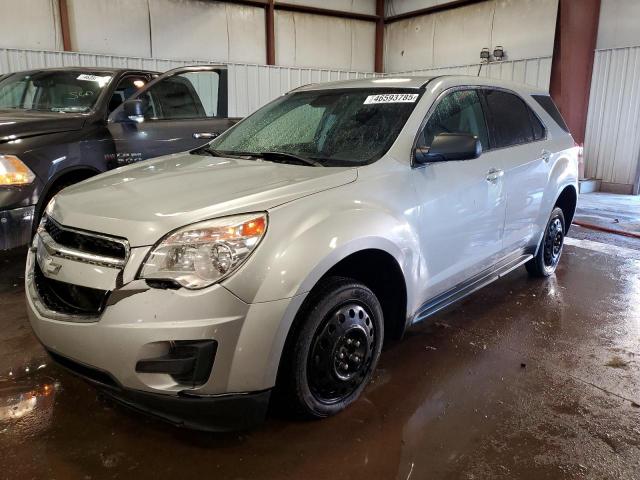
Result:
<point x="333" y="349"/>
<point x="550" y="249"/>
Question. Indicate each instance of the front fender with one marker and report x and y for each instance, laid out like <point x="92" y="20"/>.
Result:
<point x="302" y="244"/>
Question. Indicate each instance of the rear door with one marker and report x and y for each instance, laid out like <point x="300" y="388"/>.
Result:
<point x="519" y="137"/>
<point x="183" y="109"/>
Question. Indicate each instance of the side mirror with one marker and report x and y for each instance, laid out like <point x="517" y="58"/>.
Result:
<point x="449" y="146"/>
<point x="134" y="110"/>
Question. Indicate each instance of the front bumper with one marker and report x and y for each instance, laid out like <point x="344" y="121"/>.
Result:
<point x="214" y="413"/>
<point x="15" y="227"/>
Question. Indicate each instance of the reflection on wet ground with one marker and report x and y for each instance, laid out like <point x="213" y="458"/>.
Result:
<point x="524" y="379"/>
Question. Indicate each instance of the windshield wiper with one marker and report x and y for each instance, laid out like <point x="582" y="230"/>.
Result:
<point x="217" y="153"/>
<point x="269" y="156"/>
<point x="287" y="158"/>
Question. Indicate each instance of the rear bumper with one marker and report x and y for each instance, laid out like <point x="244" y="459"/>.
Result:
<point x="16" y="227"/>
<point x="212" y="413"/>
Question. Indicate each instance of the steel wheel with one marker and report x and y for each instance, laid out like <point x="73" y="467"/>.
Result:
<point x="553" y="241"/>
<point x="550" y="248"/>
<point x="333" y="349"/>
<point x="341" y="353"/>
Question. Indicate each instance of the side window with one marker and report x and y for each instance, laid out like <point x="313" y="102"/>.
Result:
<point x="126" y="87"/>
<point x="458" y="112"/>
<point x="510" y="119"/>
<point x="12" y="94"/>
<point x="184" y="96"/>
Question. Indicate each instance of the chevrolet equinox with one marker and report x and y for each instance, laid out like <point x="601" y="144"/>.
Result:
<point x="280" y="256"/>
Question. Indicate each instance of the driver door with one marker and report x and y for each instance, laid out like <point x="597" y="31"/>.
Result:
<point x="462" y="203"/>
<point x="182" y="109"/>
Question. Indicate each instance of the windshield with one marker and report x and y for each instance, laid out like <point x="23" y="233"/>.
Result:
<point x="347" y="127"/>
<point x="53" y="91"/>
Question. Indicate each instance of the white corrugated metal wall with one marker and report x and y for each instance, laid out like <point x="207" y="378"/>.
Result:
<point x="250" y="85"/>
<point x="612" y="137"/>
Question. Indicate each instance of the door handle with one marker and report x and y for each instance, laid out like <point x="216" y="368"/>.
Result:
<point x="494" y="174"/>
<point x="205" y="135"/>
<point x="546" y="156"/>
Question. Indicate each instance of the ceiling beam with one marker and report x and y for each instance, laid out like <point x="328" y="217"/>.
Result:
<point x="294" y="7"/>
<point x="429" y="10"/>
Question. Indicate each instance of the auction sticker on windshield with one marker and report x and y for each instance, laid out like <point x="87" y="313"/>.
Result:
<point x="392" y="98"/>
<point x="94" y="78"/>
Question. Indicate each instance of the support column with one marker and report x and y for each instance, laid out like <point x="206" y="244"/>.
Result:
<point x="572" y="65"/>
<point x="269" y="15"/>
<point x="64" y="25"/>
<point x="379" y="49"/>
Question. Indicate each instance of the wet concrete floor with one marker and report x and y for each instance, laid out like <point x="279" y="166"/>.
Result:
<point x="524" y="379"/>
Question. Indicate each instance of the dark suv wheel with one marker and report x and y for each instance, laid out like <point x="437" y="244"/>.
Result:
<point x="550" y="249"/>
<point x="334" y="349"/>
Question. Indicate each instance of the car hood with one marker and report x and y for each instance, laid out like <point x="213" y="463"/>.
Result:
<point x="16" y="124"/>
<point x="145" y="201"/>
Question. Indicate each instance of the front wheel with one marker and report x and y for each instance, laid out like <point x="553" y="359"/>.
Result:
<point x="550" y="248"/>
<point x="334" y="349"/>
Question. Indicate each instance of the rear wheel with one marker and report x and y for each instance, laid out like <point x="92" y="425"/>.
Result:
<point x="550" y="249"/>
<point x="335" y="348"/>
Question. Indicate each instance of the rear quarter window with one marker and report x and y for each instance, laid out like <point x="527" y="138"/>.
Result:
<point x="546" y="102"/>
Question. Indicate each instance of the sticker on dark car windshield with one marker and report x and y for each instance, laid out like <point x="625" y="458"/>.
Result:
<point x="392" y="98"/>
<point x="94" y="78"/>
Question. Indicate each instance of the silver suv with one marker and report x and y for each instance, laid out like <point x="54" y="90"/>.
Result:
<point x="285" y="252"/>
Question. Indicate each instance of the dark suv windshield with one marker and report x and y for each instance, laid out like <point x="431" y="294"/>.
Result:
<point x="347" y="127"/>
<point x="53" y="91"/>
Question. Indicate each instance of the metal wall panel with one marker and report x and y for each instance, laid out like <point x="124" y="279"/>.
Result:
<point x="532" y="71"/>
<point x="525" y="28"/>
<point x="250" y="85"/>
<point x="308" y="40"/>
<point x="612" y="137"/>
<point x="120" y="27"/>
<point x="30" y="24"/>
<point x="215" y="30"/>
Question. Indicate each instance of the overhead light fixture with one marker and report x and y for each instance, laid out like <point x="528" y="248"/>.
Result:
<point x="498" y="53"/>
<point x="485" y="54"/>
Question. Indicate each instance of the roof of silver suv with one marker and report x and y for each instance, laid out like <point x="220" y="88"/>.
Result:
<point x="379" y="82"/>
<point x="418" y="82"/>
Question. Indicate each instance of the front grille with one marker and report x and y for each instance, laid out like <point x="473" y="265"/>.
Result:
<point x="66" y="298"/>
<point x="85" y="242"/>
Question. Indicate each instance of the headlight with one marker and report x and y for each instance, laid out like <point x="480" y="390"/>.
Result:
<point x="14" y="172"/>
<point x="204" y="253"/>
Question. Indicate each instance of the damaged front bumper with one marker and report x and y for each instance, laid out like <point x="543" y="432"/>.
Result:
<point x="143" y="347"/>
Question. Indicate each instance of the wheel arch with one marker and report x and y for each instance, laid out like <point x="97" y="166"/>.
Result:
<point x="71" y="174"/>
<point x="567" y="201"/>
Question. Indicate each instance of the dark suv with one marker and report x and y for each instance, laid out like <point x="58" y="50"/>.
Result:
<point x="60" y="126"/>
